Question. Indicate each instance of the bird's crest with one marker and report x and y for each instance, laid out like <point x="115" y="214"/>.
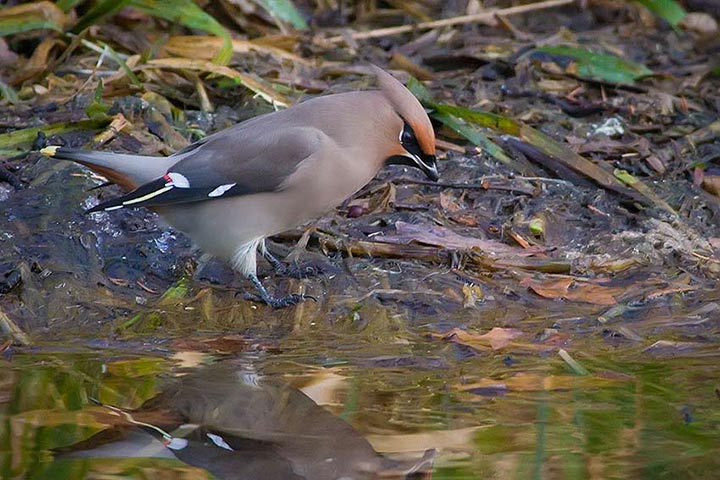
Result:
<point x="408" y="107"/>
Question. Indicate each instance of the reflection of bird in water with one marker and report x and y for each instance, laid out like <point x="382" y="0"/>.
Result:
<point x="255" y="431"/>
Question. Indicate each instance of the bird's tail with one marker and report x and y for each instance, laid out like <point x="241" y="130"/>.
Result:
<point x="127" y="170"/>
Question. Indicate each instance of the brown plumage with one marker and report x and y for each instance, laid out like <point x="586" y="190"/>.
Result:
<point x="231" y="190"/>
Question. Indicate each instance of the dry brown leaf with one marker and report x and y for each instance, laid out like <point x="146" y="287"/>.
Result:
<point x="535" y="382"/>
<point x="670" y="348"/>
<point x="252" y="83"/>
<point x="382" y="200"/>
<point x="34" y="12"/>
<point x="472" y="295"/>
<point x="417" y="442"/>
<point x="569" y="289"/>
<point x="495" y="339"/>
<point x="700" y="22"/>
<point x="711" y="184"/>
<point x="204" y="47"/>
<point x="448" y="203"/>
<point x="39" y="61"/>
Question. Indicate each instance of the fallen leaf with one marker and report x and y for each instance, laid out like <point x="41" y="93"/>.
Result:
<point x="669" y="348"/>
<point x="569" y="289"/>
<point x="589" y="65"/>
<point x="446" y="238"/>
<point x="472" y="295"/>
<point x="38" y="62"/>
<point x="31" y="16"/>
<point x="711" y="184"/>
<point x="495" y="339"/>
<point x="700" y="22"/>
<point x="448" y="202"/>
<point x="537" y="382"/>
<point x="204" y="47"/>
<point x="382" y="200"/>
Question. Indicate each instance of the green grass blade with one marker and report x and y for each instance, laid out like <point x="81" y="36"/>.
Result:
<point x="30" y="16"/>
<point x="28" y="135"/>
<point x="8" y="93"/>
<point x="478" y="138"/>
<point x="550" y="147"/>
<point x="98" y="12"/>
<point x="668" y="10"/>
<point x="66" y="5"/>
<point x="184" y="12"/>
<point x="285" y="11"/>
<point x="187" y="13"/>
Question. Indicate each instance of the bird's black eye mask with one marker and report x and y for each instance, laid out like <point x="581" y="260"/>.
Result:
<point x="416" y="158"/>
<point x="409" y="141"/>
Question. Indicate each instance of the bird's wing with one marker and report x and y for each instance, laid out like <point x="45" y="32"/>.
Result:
<point x="230" y="163"/>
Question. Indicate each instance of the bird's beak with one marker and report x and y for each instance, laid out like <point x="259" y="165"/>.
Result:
<point x="428" y="165"/>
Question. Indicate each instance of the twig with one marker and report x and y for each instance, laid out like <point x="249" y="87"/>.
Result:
<point x="525" y="189"/>
<point x="9" y="177"/>
<point x="488" y="16"/>
<point x="392" y="291"/>
<point x="10" y="328"/>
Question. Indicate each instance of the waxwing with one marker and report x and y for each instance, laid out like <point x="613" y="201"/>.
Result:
<point x="231" y="190"/>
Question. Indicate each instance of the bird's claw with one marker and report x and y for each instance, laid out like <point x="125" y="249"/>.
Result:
<point x="279" y="302"/>
<point x="301" y="271"/>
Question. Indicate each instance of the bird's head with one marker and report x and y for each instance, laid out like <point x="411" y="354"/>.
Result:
<point x="415" y="145"/>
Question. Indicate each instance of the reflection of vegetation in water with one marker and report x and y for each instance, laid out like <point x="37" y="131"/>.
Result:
<point x="532" y="417"/>
<point x="639" y="426"/>
<point x="49" y="404"/>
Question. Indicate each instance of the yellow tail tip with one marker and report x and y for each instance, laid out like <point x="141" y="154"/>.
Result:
<point x="49" y="151"/>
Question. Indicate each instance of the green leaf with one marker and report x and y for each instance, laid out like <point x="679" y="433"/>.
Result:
<point x="184" y="12"/>
<point x="98" y="12"/>
<point x="97" y="110"/>
<point x="28" y="135"/>
<point x="589" y="65"/>
<point x="187" y="13"/>
<point x="7" y="92"/>
<point x="285" y="10"/>
<point x="30" y="16"/>
<point x="574" y="365"/>
<point x="668" y="10"/>
<point x="537" y="226"/>
<point x="420" y="91"/>
<point x="625" y="177"/>
<point x="176" y="292"/>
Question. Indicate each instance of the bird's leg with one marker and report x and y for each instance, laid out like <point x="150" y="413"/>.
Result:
<point x="276" y="263"/>
<point x="275" y="302"/>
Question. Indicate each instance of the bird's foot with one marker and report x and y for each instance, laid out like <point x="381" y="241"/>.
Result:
<point x="275" y="302"/>
<point x="276" y="263"/>
<point x="301" y="271"/>
<point x="279" y="302"/>
<point x="292" y="270"/>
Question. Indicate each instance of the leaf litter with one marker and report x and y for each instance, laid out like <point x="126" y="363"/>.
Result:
<point x="577" y="210"/>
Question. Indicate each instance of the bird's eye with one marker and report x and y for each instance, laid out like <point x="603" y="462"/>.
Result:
<point x="407" y="137"/>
